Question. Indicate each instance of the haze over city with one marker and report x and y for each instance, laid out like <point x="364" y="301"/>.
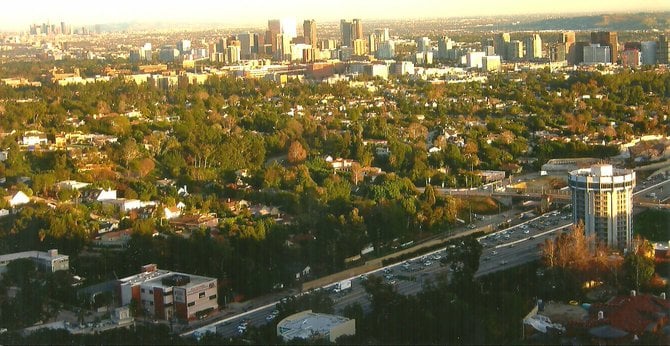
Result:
<point x="16" y="15"/>
<point x="344" y="172"/>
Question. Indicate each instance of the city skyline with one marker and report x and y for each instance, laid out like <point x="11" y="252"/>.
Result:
<point x="19" y="15"/>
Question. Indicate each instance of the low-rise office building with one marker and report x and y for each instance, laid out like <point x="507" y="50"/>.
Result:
<point x="314" y="326"/>
<point x="166" y="295"/>
<point x="50" y="261"/>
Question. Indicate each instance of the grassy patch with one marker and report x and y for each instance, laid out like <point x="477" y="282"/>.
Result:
<point x="480" y="205"/>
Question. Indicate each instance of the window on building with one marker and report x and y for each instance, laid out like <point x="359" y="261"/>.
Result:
<point x="191" y="304"/>
<point x="142" y="290"/>
<point x="212" y="297"/>
<point x="201" y="295"/>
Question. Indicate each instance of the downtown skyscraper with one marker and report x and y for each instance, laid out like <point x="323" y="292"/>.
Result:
<point x="350" y="31"/>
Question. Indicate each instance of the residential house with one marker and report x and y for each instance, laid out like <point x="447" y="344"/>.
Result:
<point x="627" y="318"/>
<point x="182" y="191"/>
<point x="32" y="138"/>
<point x="172" y="212"/>
<point x="99" y="195"/>
<point x="165" y="183"/>
<point x="382" y="151"/>
<point x="236" y="206"/>
<point x="340" y="164"/>
<point x="195" y="221"/>
<point x="124" y="204"/>
<point x="71" y="185"/>
<point x="434" y="149"/>
<point x="17" y="198"/>
<point x="114" y="239"/>
<point x="264" y="210"/>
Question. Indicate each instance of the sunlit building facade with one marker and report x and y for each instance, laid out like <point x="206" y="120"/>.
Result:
<point x="602" y="198"/>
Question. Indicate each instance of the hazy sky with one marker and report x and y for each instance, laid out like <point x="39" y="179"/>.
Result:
<point x="19" y="14"/>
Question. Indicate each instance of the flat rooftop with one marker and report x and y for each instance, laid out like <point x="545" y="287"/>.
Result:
<point x="30" y="254"/>
<point x="154" y="278"/>
<point x="564" y="313"/>
<point x="306" y="324"/>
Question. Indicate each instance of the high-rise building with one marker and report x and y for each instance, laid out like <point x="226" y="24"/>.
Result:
<point x="500" y="43"/>
<point x="648" y="52"/>
<point x="357" y="29"/>
<point x="383" y="34"/>
<point x="284" y="26"/>
<point x="168" y="54"/>
<point x="283" y="49"/>
<point x="515" y="50"/>
<point x="422" y="45"/>
<point x="359" y="47"/>
<point x="663" y="50"/>
<point x="597" y="54"/>
<point x="609" y="39"/>
<point x="491" y="63"/>
<point x="350" y="31"/>
<point x="274" y="29"/>
<point x="372" y="43"/>
<point x="568" y="39"/>
<point x="579" y="52"/>
<point x="533" y="47"/>
<point x="444" y="44"/>
<point x="309" y="31"/>
<point x="221" y="45"/>
<point x="247" y="45"/>
<point x="557" y="52"/>
<point x="346" y="32"/>
<point x="474" y="59"/>
<point x="233" y="54"/>
<point x="65" y="29"/>
<point x="184" y="46"/>
<point x="631" y="58"/>
<point x="328" y="44"/>
<point x="386" y="50"/>
<point x="602" y="198"/>
<point x="403" y="68"/>
<point x="289" y="27"/>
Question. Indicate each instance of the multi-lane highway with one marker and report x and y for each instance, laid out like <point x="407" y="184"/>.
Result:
<point x="502" y="250"/>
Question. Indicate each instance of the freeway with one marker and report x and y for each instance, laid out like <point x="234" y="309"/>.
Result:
<point x="502" y="250"/>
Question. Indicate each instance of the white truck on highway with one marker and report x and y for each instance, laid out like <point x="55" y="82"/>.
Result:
<point x="342" y="286"/>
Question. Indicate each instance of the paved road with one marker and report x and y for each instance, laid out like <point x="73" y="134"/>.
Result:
<point x="410" y="277"/>
<point x="502" y="250"/>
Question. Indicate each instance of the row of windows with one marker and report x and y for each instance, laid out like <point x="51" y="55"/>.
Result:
<point x="603" y="186"/>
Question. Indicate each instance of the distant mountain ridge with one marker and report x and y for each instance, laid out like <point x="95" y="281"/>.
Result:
<point x="614" y="22"/>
